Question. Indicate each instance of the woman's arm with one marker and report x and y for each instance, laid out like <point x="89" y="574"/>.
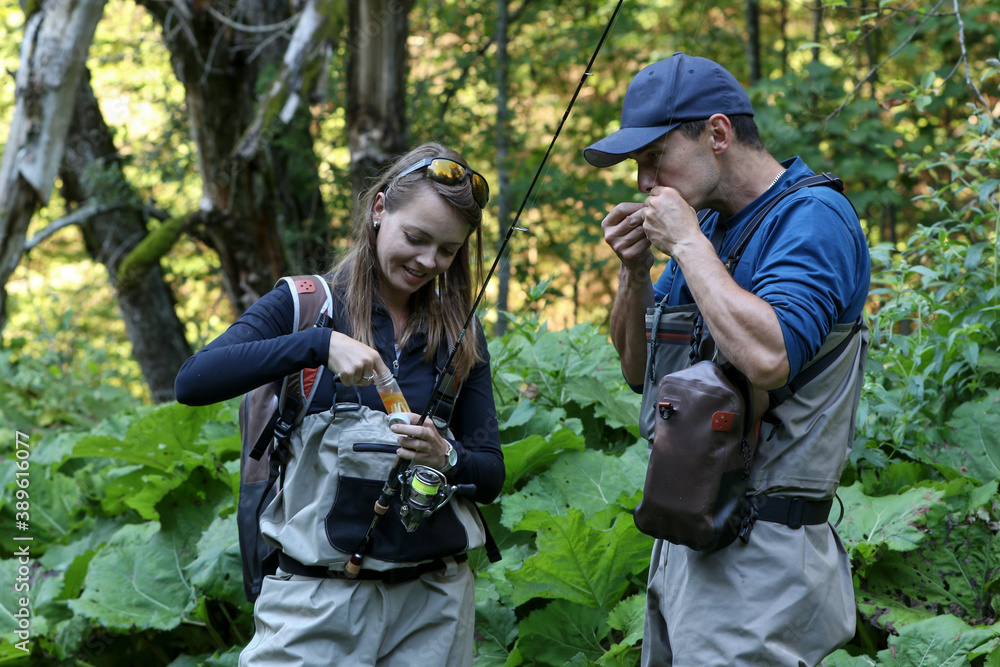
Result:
<point x="259" y="348"/>
<point x="474" y="423"/>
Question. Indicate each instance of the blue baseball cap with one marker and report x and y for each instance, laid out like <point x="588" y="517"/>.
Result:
<point x="664" y="95"/>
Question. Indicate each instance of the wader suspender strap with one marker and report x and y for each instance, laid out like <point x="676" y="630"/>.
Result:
<point x="793" y="512"/>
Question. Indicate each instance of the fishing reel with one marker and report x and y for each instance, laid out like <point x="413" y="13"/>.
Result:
<point x="423" y="491"/>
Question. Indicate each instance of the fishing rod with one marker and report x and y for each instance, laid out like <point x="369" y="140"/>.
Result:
<point x="426" y="482"/>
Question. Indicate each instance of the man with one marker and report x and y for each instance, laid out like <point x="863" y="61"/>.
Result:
<point x="784" y="597"/>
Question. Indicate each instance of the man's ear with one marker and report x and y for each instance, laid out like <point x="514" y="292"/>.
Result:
<point x="720" y="133"/>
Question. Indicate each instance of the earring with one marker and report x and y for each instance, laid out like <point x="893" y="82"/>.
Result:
<point x="375" y="224"/>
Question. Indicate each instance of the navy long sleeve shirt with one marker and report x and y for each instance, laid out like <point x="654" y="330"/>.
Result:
<point x="263" y="346"/>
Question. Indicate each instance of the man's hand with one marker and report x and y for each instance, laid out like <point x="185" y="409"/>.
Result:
<point x="668" y="220"/>
<point x="623" y="232"/>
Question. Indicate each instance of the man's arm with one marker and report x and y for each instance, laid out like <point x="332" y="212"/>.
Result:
<point x="744" y="326"/>
<point x="623" y="232"/>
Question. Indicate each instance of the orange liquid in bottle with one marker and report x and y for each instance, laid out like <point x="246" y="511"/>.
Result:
<point x="393" y="400"/>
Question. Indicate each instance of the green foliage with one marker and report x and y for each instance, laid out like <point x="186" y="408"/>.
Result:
<point x="135" y="559"/>
<point x="133" y="538"/>
<point x="60" y="386"/>
<point x="936" y="336"/>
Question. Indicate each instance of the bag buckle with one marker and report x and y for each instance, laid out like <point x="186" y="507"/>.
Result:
<point x="749" y="517"/>
<point x="667" y="410"/>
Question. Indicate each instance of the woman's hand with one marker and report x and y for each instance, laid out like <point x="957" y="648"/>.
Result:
<point x="421" y="444"/>
<point x="355" y="362"/>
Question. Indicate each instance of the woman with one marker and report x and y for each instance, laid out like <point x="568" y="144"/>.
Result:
<point x="401" y="296"/>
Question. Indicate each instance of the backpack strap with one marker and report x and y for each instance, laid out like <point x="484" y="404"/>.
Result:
<point x="311" y="306"/>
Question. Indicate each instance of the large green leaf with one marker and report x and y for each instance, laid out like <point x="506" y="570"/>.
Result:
<point x="953" y="570"/>
<point x="139" y="488"/>
<point x="496" y="626"/>
<point x="590" y="481"/>
<point x="21" y="583"/>
<point x="55" y="508"/>
<point x="163" y="439"/>
<point x="229" y="658"/>
<point x="137" y="580"/>
<point x="617" y="406"/>
<point x="898" y="521"/>
<point x="535" y="453"/>
<point x="944" y="641"/>
<point x="217" y="572"/>
<point x="86" y="538"/>
<point x="561" y="632"/>
<point x="580" y="563"/>
<point x="842" y="658"/>
<point x="189" y="510"/>
<point x="628" y="616"/>
<point x="973" y="446"/>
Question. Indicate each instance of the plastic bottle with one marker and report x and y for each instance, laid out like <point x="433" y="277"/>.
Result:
<point x="392" y="398"/>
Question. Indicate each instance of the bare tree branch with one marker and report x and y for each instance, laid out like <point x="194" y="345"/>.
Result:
<point x="242" y="27"/>
<point x="965" y="59"/>
<point x="77" y="217"/>
<point x="56" y="41"/>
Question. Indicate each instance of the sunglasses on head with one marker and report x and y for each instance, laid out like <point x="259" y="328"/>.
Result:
<point x="448" y="172"/>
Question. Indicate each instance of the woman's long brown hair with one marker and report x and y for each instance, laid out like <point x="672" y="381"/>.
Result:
<point x="440" y="307"/>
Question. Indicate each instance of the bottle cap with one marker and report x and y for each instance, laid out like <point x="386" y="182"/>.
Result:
<point x="399" y="418"/>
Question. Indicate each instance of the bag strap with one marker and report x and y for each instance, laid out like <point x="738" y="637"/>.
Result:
<point x="444" y="399"/>
<point x="828" y="179"/>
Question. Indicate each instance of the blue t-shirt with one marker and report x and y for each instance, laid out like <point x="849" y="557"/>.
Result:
<point x="808" y="259"/>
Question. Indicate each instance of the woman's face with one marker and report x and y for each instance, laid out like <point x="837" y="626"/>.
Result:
<point x="416" y="242"/>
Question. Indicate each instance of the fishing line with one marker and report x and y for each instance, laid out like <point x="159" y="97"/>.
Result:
<point x="393" y="483"/>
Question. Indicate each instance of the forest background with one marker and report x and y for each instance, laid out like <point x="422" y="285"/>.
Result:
<point x="165" y="161"/>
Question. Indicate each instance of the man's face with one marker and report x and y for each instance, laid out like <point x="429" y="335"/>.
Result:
<point x="686" y="165"/>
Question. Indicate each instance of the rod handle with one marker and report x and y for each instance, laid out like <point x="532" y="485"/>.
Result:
<point x="353" y="567"/>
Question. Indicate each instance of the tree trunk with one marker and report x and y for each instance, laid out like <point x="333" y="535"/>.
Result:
<point x="753" y="39"/>
<point x="817" y="28"/>
<point x="56" y="40"/>
<point x="376" y="85"/>
<point x="783" y="30"/>
<point x="219" y="60"/>
<point x="502" y="195"/>
<point x="157" y="336"/>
